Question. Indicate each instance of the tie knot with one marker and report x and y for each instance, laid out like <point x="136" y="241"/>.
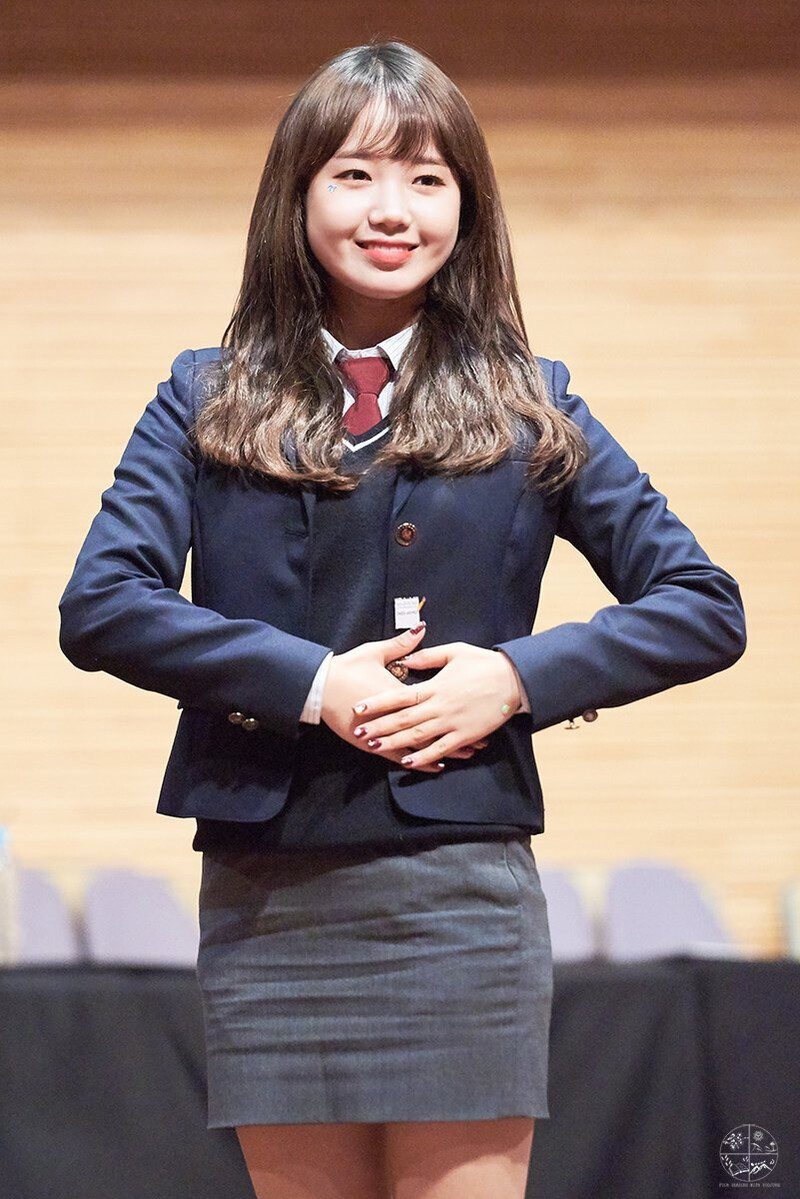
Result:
<point x="366" y="376"/>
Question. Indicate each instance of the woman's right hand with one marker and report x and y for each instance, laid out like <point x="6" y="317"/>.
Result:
<point x="362" y="671"/>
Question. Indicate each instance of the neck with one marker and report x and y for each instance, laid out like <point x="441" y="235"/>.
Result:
<point x="360" y="322"/>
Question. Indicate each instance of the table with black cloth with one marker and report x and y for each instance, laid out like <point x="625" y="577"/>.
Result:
<point x="102" y="1083"/>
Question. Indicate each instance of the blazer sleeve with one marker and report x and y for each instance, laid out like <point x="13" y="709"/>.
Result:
<point x="122" y="611"/>
<point x="678" y="618"/>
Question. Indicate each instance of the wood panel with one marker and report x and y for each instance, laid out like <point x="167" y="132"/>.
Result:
<point x="506" y="39"/>
<point x="657" y="255"/>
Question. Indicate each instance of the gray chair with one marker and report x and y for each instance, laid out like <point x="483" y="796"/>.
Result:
<point x="134" y="919"/>
<point x="46" y="930"/>
<point x="654" y="909"/>
<point x="572" y="934"/>
<point x="791" y="916"/>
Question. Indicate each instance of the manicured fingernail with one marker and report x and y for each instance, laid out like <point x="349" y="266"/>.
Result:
<point x="360" y="731"/>
<point x="440" y="764"/>
<point x="360" y="707"/>
<point x="419" y="628"/>
<point x="374" y="742"/>
<point x="407" y="760"/>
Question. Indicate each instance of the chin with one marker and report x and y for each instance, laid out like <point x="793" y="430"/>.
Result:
<point x="395" y="289"/>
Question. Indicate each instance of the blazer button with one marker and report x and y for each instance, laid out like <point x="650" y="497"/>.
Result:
<point x="405" y="533"/>
<point x="236" y="717"/>
<point x="249" y="724"/>
<point x="589" y="715"/>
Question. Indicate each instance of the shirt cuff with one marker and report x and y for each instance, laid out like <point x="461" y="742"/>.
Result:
<point x="312" y="709"/>
<point x="524" y="705"/>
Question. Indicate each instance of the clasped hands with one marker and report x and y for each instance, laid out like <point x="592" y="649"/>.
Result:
<point x="447" y="716"/>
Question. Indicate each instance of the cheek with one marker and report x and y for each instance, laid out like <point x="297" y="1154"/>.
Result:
<point x="315" y="221"/>
<point x="447" y="226"/>
<point x="328" y="221"/>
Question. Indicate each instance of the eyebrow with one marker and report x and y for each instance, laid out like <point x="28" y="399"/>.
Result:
<point x="369" y="155"/>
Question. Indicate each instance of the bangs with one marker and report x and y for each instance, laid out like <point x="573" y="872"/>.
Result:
<point x="398" y="121"/>
<point x="401" y="130"/>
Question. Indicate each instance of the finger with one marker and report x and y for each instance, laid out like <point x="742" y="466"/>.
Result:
<point x="442" y="747"/>
<point x="396" y="755"/>
<point x="464" y="751"/>
<point x="393" y="700"/>
<point x="409" y="639"/>
<point x="411" y="735"/>
<point x="389" y="726"/>
<point x="426" y="659"/>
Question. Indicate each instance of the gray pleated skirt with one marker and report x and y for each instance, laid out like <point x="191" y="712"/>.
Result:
<point x="345" y="985"/>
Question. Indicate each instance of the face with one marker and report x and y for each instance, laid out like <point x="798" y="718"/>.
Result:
<point x="380" y="227"/>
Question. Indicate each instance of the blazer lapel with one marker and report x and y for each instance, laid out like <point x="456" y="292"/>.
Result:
<point x="308" y="494"/>
<point x="403" y="487"/>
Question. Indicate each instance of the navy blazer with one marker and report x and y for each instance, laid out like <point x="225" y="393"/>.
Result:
<point x="482" y="542"/>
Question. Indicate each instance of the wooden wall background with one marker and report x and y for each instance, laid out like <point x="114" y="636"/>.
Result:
<point x="653" y="197"/>
<point x="501" y="40"/>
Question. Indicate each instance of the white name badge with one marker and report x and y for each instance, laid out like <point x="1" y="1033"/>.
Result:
<point x="406" y="611"/>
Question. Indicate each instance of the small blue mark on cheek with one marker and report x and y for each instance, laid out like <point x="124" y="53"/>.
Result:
<point x="331" y="187"/>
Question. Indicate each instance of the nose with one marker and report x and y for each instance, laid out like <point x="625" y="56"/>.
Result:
<point x="389" y="209"/>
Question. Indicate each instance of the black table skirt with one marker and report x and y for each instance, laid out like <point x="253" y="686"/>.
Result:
<point x="102" y="1082"/>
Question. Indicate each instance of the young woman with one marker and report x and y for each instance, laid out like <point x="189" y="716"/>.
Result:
<point x="374" y="444"/>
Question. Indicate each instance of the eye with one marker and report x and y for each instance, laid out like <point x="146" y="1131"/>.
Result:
<point x="431" y="180"/>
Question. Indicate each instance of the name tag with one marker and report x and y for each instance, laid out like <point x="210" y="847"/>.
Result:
<point x="406" y="611"/>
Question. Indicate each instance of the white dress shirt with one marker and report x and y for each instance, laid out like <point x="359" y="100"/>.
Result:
<point x="392" y="348"/>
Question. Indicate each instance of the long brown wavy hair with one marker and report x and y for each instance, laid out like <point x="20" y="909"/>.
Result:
<point x="468" y="383"/>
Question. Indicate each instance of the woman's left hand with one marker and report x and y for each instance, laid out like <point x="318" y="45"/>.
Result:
<point x="458" y="706"/>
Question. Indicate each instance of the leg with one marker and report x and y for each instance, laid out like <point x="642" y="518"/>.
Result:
<point x="314" y="1161"/>
<point x="459" y="1159"/>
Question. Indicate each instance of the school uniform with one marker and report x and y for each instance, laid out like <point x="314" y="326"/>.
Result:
<point x="339" y="794"/>
<point x="374" y="941"/>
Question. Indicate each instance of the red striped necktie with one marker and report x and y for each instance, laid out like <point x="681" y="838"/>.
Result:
<point x="366" y="377"/>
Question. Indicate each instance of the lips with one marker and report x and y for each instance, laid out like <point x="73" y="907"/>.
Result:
<point x="387" y="253"/>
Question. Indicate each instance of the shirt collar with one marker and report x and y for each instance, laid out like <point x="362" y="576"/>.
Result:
<point x="393" y="347"/>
